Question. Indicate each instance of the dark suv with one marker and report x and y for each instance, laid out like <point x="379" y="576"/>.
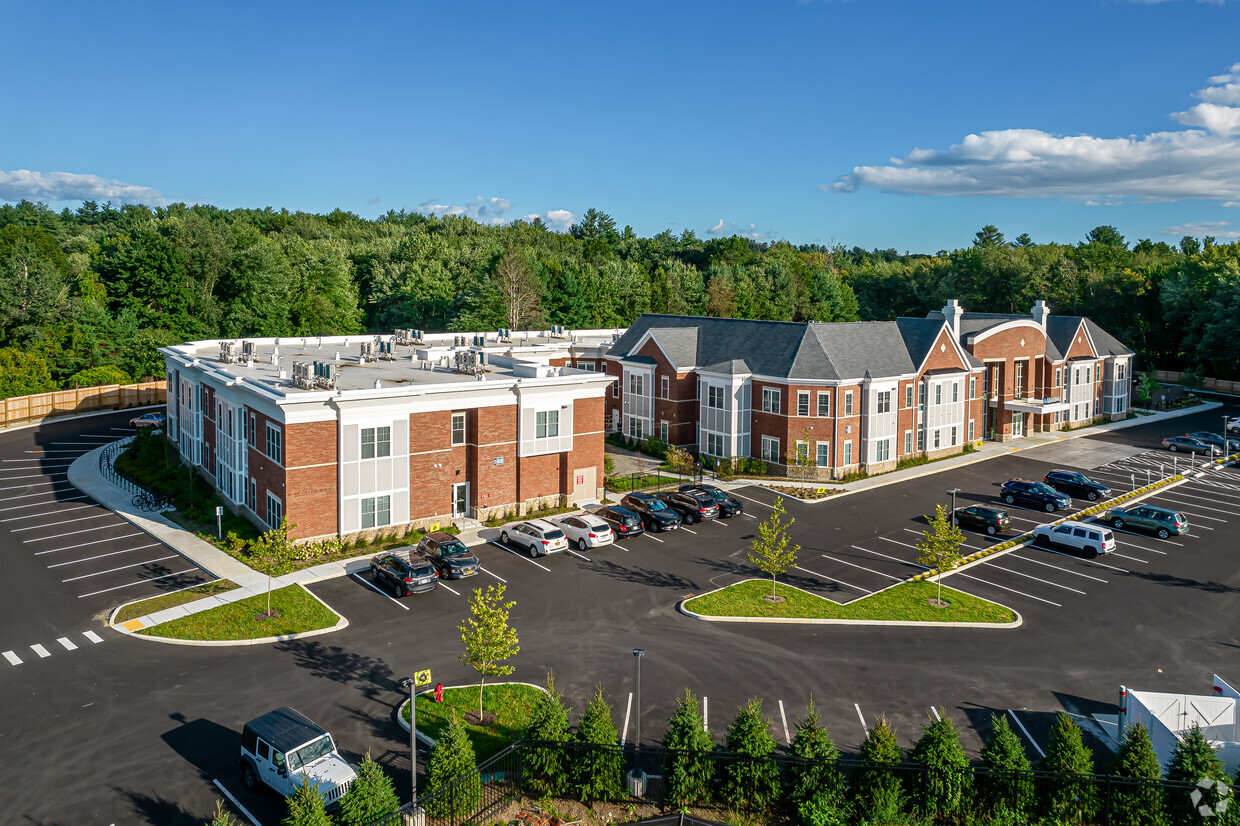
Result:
<point x="450" y="556"/>
<point x="1076" y="484"/>
<point x="655" y="515"/>
<point x="979" y="517"/>
<point x="1034" y="494"/>
<point x="403" y="575"/>
<point x="728" y="506"/>
<point x="623" y="521"/>
<point x="693" y="506"/>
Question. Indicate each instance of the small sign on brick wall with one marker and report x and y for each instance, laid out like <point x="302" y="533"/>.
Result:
<point x="498" y="460"/>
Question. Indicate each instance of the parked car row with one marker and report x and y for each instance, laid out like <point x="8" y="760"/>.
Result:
<point x="418" y="569"/>
<point x="1210" y="444"/>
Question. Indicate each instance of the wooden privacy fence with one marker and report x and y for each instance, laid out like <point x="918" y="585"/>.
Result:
<point x="1217" y="385"/>
<point x="26" y="409"/>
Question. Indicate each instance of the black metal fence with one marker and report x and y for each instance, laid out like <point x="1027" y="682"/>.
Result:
<point x="143" y="499"/>
<point x="865" y="792"/>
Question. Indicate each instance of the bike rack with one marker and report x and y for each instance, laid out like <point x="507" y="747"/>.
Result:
<point x="143" y="499"/>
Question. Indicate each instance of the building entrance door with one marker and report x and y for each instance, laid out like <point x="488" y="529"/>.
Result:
<point x="1018" y="424"/>
<point x="585" y="484"/>
<point x="460" y="499"/>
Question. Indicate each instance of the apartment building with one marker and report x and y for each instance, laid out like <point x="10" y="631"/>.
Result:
<point x="349" y="434"/>
<point x="848" y="396"/>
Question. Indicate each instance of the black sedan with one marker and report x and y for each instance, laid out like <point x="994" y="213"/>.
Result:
<point x="403" y="575"/>
<point x="980" y="518"/>
<point x="655" y="515"/>
<point x="1077" y="485"/>
<point x="623" y="521"/>
<point x="729" y="506"/>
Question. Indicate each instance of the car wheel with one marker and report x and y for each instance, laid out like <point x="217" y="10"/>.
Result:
<point x="956" y="521"/>
<point x="1042" y="541"/>
<point x="533" y="551"/>
<point x="1010" y="499"/>
<point x="1163" y="533"/>
<point x="1091" y="553"/>
<point x="503" y="537"/>
<point x="1093" y="496"/>
<point x="1172" y="448"/>
<point x="582" y="546"/>
<point x="1050" y="507"/>
<point x="691" y="519"/>
<point x="1117" y="523"/>
<point x="398" y="590"/>
<point x="248" y="777"/>
<point x="991" y="530"/>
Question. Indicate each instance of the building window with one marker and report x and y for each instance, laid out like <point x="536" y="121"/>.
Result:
<point x="921" y="396"/>
<point x="884" y="401"/>
<point x="1020" y="380"/>
<point x="275" y="444"/>
<point x="458" y="428"/>
<point x="955" y="391"/>
<point x="971" y="437"/>
<point x="1119" y="371"/>
<point x="251" y="499"/>
<point x="714" y="444"/>
<point x="547" y="424"/>
<point x="275" y="511"/>
<point x="972" y="387"/>
<point x="824" y="454"/>
<point x="636" y="385"/>
<point x="770" y="400"/>
<point x="663" y="387"/>
<point x="824" y="404"/>
<point x="1058" y="372"/>
<point x="994" y="381"/>
<point x="921" y="438"/>
<point x="802" y="402"/>
<point x="848" y="410"/>
<point x="938" y="394"/>
<point x="253" y="434"/>
<point x="908" y="396"/>
<point x="882" y="450"/>
<point x="714" y="397"/>
<point x="936" y="440"/>
<point x="663" y="431"/>
<point x="1087" y="381"/>
<point x="770" y="449"/>
<point x="585" y="365"/>
<point x="1119" y="404"/>
<point x="376" y="442"/>
<point x="376" y="512"/>
<point x="847" y="453"/>
<point x="953" y="435"/>
<point x="908" y="441"/>
<point x="615" y="389"/>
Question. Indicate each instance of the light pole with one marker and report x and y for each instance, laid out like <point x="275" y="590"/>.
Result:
<point x="953" y="493"/>
<point x="1224" y="434"/>
<point x="638" y="775"/>
<point x="409" y="683"/>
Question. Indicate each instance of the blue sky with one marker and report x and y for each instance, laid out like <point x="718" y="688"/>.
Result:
<point x="877" y="123"/>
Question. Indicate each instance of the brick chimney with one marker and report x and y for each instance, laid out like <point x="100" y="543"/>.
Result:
<point x="952" y="313"/>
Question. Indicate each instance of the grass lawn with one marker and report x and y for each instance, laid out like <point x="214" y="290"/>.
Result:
<point x="512" y="704"/>
<point x="905" y="602"/>
<point x="235" y="621"/>
<point x="150" y="606"/>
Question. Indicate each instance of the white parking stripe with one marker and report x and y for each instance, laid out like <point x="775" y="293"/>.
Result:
<point x="832" y="579"/>
<point x="1013" y="590"/>
<point x="32" y="476"/>
<point x="1213" y="497"/>
<point x="101" y="556"/>
<point x="1038" y="579"/>
<point x="93" y="436"/>
<point x="55" y="513"/>
<point x="1028" y="736"/>
<point x="655" y="538"/>
<point x="1019" y="518"/>
<point x="375" y="588"/>
<point x="37" y="504"/>
<point x="12" y="658"/>
<point x="68" y="644"/>
<point x="686" y="530"/>
<point x="751" y="499"/>
<point x="1056" y="567"/>
<point x="1133" y="558"/>
<point x="892" y="558"/>
<point x="579" y="556"/>
<point x="74" y="444"/>
<point x="50" y="452"/>
<point x="935" y="712"/>
<point x="41" y="651"/>
<point x="497" y="576"/>
<point x="861" y="717"/>
<point x="851" y="565"/>
<point x="499" y="544"/>
<point x="92" y="636"/>
<point x="784" y="717"/>
<point x="131" y="584"/>
<point x="1142" y="547"/>
<point x="1170" y="496"/>
<point x="122" y="568"/>
<point x="71" y="533"/>
<point x="66" y="522"/>
<point x="32" y="484"/>
<point x="443" y="584"/>
<point x="92" y="542"/>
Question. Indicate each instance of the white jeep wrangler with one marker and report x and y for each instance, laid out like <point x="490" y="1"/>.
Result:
<point x="283" y="749"/>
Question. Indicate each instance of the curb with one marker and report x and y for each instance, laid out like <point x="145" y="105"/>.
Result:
<point x="680" y="606"/>
<point x="111" y="620"/>
<point x="340" y="625"/>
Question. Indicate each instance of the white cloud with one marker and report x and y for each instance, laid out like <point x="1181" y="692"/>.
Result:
<point x="1195" y="163"/>
<point x="731" y="228"/>
<point x="71" y="186"/>
<point x="494" y="211"/>
<point x="1218" y="229"/>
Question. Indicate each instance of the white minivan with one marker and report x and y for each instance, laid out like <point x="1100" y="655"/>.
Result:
<point x="1082" y="537"/>
<point x="284" y="749"/>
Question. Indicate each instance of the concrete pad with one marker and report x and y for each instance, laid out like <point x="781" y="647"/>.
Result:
<point x="175" y="612"/>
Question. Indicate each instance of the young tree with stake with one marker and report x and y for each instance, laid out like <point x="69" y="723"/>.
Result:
<point x="940" y="549"/>
<point x="489" y="639"/>
<point x="770" y="551"/>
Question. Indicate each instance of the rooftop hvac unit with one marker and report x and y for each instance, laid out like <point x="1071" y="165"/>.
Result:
<point x="408" y="337"/>
<point x="230" y="353"/>
<point x="302" y="377"/>
<point x="367" y="351"/>
<point x="385" y="351"/>
<point x="469" y="361"/>
<point x="505" y="335"/>
<point x="480" y="340"/>
<point x="248" y="351"/>
<point x="557" y="331"/>
<point x="324" y="374"/>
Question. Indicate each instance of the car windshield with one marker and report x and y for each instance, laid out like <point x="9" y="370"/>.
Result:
<point x="307" y="754"/>
<point x="454" y="549"/>
<point x="1041" y="488"/>
<point x="629" y="520"/>
<point x="557" y="534"/>
<point x="656" y="505"/>
<point x="716" y="494"/>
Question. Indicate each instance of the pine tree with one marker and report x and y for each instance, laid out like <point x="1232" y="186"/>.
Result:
<point x="451" y="758"/>
<point x="1140" y="804"/>
<point x="305" y="807"/>
<point x="545" y="769"/>
<point x="1008" y="787"/>
<point x="947" y="769"/>
<point x="878" y="792"/>
<point x="370" y="798"/>
<point x="1192" y="761"/>
<point x="598" y="767"/>
<point x="817" y="786"/>
<point x="690" y="768"/>
<point x="222" y="817"/>
<point x="751" y="777"/>
<point x="1069" y="799"/>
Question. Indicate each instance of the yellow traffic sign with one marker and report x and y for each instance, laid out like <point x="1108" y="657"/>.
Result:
<point x="422" y="677"/>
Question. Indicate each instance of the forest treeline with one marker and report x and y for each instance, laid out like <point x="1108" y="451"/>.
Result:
<point x="87" y="295"/>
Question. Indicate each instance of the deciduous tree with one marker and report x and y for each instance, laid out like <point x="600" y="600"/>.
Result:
<point x="770" y="551"/>
<point x="488" y="638"/>
<point x="940" y="547"/>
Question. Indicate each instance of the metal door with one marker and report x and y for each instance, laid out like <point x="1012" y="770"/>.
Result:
<point x="460" y="499"/>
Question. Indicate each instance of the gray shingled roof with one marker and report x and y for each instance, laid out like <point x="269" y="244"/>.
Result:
<point x="1059" y="331"/>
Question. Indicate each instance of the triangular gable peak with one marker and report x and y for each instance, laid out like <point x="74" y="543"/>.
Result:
<point x="651" y="336"/>
<point x="944" y="343"/>
<point x="1016" y="323"/>
<point x="1082" y="343"/>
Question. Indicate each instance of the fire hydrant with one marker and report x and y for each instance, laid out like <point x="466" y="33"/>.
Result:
<point x="439" y="692"/>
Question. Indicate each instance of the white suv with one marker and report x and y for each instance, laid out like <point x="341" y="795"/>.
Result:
<point x="538" y="536"/>
<point x="1082" y="537"/>
<point x="586" y="531"/>
<point x="284" y="749"/>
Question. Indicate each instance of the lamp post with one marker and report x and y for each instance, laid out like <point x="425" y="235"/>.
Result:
<point x="637" y="777"/>
<point x="409" y="683"/>
<point x="1224" y="434"/>
<point x="953" y="493"/>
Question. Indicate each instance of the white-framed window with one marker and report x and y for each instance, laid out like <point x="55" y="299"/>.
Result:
<point x="252" y="436"/>
<point x="824" y="404"/>
<point x="615" y="389"/>
<point x="908" y="441"/>
<point x="547" y="424"/>
<point x="714" y="396"/>
<point x="585" y="365"/>
<point x="714" y="444"/>
<point x="1087" y="381"/>
<point x="1119" y="371"/>
<point x="955" y="391"/>
<point x="458" y="428"/>
<point x="636" y="428"/>
<point x="376" y="442"/>
<point x="770" y="449"/>
<point x="824" y="454"/>
<point x="275" y="511"/>
<point x="275" y="444"/>
<point x="251" y="499"/>
<point x="921" y="396"/>
<point x="848" y="407"/>
<point x="936" y="440"/>
<point x="699" y="389"/>
<point x="1119" y="404"/>
<point x="847" y="453"/>
<point x="1020" y="380"/>
<point x="971" y="437"/>
<point x="663" y="430"/>
<point x="1058" y="375"/>
<point x="953" y="435"/>
<point x="664" y="387"/>
<point x="770" y="400"/>
<point x="972" y="387"/>
<point x="376" y="512"/>
<point x="1057" y="417"/>
<point x="802" y="402"/>
<point x="921" y="439"/>
<point x="884" y="401"/>
<point x="938" y="394"/>
<point x="908" y="396"/>
<point x="882" y="450"/>
<point x="802" y="451"/>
